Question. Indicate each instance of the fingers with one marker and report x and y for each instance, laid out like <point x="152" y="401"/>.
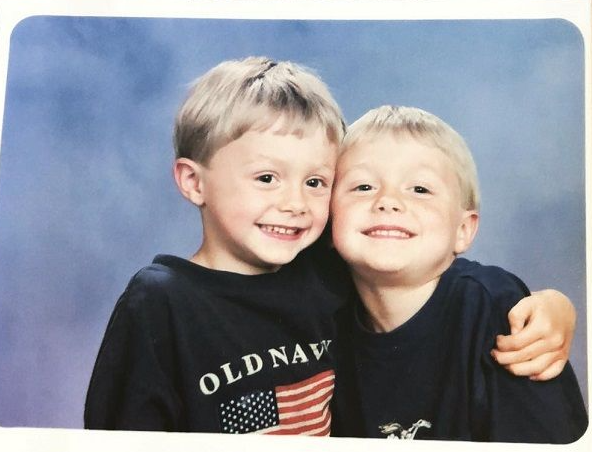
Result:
<point x="514" y="349"/>
<point x="520" y="355"/>
<point x="542" y="329"/>
<point x="538" y="366"/>
<point x="551" y="372"/>
<point x="519" y="314"/>
<point x="527" y="336"/>
<point x="538" y="327"/>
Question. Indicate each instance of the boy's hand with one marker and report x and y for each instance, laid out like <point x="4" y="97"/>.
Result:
<point x="542" y="327"/>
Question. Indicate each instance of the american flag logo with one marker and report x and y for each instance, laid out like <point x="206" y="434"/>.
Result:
<point x="298" y="409"/>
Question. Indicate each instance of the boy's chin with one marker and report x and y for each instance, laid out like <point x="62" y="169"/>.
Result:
<point x="278" y="260"/>
<point x="373" y="268"/>
<point x="278" y="257"/>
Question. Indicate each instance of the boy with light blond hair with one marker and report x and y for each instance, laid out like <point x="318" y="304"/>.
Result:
<point x="405" y="205"/>
<point x="239" y="337"/>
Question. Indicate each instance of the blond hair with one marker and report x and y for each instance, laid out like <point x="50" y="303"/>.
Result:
<point x="421" y="125"/>
<point x="251" y="94"/>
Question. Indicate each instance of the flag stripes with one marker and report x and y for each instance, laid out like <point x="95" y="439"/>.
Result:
<point x="297" y="409"/>
<point x="303" y="407"/>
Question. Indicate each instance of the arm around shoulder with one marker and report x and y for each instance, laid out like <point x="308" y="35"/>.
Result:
<point x="542" y="327"/>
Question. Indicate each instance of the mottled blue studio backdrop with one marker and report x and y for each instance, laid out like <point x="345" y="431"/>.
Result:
<point x="87" y="197"/>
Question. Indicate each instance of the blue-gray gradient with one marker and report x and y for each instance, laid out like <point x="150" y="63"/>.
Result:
<point x="87" y="197"/>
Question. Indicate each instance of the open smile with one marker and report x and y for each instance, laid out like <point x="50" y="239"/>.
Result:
<point x="281" y="232"/>
<point x="388" y="232"/>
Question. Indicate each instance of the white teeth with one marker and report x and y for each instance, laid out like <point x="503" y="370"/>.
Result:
<point x="279" y="229"/>
<point x="389" y="233"/>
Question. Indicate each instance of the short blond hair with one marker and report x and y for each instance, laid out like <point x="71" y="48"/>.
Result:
<point x="421" y="125"/>
<point x="251" y="94"/>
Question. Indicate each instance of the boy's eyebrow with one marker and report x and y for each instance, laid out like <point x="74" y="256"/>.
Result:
<point x="330" y="168"/>
<point x="260" y="158"/>
<point x="423" y="171"/>
<point x="366" y="165"/>
<point x="263" y="159"/>
<point x="429" y="171"/>
<point x="357" y="166"/>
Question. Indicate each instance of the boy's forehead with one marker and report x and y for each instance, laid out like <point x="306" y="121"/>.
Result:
<point x="281" y="141"/>
<point x="381" y="152"/>
<point x="362" y="152"/>
<point x="280" y="122"/>
<point x="385" y="142"/>
<point x="285" y="126"/>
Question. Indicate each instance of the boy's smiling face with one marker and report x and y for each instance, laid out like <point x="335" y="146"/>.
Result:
<point x="265" y="197"/>
<point x="396" y="210"/>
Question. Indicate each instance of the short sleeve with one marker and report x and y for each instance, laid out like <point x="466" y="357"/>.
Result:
<point x="518" y="409"/>
<point x="132" y="387"/>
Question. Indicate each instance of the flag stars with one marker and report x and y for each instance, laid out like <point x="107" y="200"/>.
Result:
<point x="249" y="412"/>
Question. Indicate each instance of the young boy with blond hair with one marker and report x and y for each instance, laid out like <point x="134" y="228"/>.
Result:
<point x="238" y="338"/>
<point x="233" y="340"/>
<point x="405" y="205"/>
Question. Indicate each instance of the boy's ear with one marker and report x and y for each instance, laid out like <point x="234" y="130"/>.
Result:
<point x="466" y="231"/>
<point x="189" y="178"/>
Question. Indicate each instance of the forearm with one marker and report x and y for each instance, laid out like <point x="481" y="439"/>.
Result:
<point x="542" y="327"/>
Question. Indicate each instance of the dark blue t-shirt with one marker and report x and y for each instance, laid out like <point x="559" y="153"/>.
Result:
<point x="434" y="377"/>
<point x="192" y="349"/>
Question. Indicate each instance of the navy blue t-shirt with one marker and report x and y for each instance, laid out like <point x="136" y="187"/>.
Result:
<point x="433" y="377"/>
<point x="192" y="349"/>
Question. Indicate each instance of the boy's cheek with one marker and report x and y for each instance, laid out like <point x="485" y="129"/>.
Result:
<point x="339" y="207"/>
<point x="339" y="237"/>
<point x="336" y="201"/>
<point x="321" y="220"/>
<point x="321" y="207"/>
<point x="338" y="224"/>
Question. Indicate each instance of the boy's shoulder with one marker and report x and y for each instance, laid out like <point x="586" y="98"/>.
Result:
<point x="472" y="302"/>
<point x="491" y="277"/>
<point x="171" y="287"/>
<point x="168" y="273"/>
<point x="178" y="283"/>
<point x="154" y="284"/>
<point x="170" y="277"/>
<point x="163" y="271"/>
<point x="494" y="285"/>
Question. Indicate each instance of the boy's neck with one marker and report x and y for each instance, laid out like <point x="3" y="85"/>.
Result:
<point x="221" y="262"/>
<point x="390" y="305"/>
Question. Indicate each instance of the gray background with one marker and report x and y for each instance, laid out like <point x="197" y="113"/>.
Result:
<point x="87" y="197"/>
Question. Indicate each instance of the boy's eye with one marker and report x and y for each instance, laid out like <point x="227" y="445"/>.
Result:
<point x="420" y="189"/>
<point x="265" y="178"/>
<point x="363" y="187"/>
<point x="315" y="182"/>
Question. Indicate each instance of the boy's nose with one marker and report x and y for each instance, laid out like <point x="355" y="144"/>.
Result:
<point x="389" y="203"/>
<point x="294" y="201"/>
